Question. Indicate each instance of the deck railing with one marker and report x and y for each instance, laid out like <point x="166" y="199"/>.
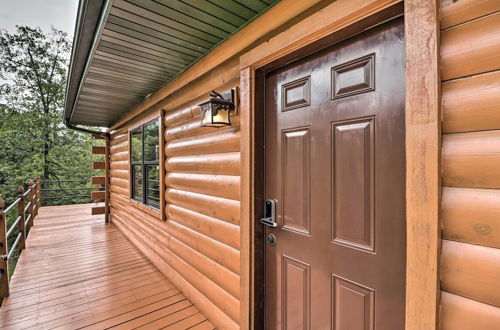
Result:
<point x="66" y="192"/>
<point x="28" y="203"/>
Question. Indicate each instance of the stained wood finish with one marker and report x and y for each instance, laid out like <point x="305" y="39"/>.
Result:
<point x="472" y="103"/>
<point x="470" y="254"/>
<point x="471" y="48"/>
<point x="471" y="271"/>
<point x="197" y="246"/>
<point x="466" y="314"/>
<point x="471" y="215"/>
<point x="471" y="159"/>
<point x="456" y="12"/>
<point x="79" y="272"/>
<point x="331" y="140"/>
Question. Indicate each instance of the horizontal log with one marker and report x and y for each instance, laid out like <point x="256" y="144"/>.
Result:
<point x="178" y="115"/>
<point x="215" y="207"/>
<point x="98" y="137"/>
<point x="96" y="210"/>
<point x="471" y="104"/>
<point x="98" y="150"/>
<point x="226" y="186"/>
<point x="222" y="141"/>
<point x="98" y="195"/>
<point x="206" y="306"/>
<point x="119" y="147"/>
<point x="227" y="163"/>
<point x="218" y="274"/>
<point x="119" y="182"/>
<point x="192" y="127"/>
<point x="471" y="215"/>
<point x="98" y="180"/>
<point x="218" y="252"/>
<point x="472" y="159"/>
<point x="119" y="165"/>
<point x="119" y="139"/>
<point x="467" y="314"/>
<point x="119" y="190"/>
<point x="122" y="174"/>
<point x="471" y="271"/>
<point x="216" y="229"/>
<point x="98" y="165"/>
<point x="471" y="48"/>
<point x="457" y="12"/>
<point x="119" y="156"/>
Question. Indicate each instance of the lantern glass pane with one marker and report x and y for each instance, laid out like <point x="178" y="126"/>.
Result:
<point x="222" y="117"/>
<point x="207" y="117"/>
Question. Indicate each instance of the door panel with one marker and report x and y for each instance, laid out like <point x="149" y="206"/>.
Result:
<point x="335" y="165"/>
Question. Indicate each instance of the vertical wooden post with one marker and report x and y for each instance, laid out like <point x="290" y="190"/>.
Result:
<point x="423" y="149"/>
<point x="38" y="195"/>
<point x="107" y="179"/>
<point x="4" y="268"/>
<point x="31" y="187"/>
<point x="22" y="215"/>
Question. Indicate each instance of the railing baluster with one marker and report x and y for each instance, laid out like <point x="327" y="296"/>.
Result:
<point x="22" y="214"/>
<point x="31" y="187"/>
<point x="4" y="267"/>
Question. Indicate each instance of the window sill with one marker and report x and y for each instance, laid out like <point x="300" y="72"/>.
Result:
<point x="146" y="208"/>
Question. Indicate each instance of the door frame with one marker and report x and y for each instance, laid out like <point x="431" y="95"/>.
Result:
<point x="338" y="21"/>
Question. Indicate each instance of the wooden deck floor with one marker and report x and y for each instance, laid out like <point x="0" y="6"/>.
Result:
<point x="78" y="272"/>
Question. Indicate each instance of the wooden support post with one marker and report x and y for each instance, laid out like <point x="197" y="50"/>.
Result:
<point x="22" y="215"/>
<point x="31" y="187"/>
<point x="38" y="195"/>
<point x="107" y="180"/>
<point x="4" y="268"/>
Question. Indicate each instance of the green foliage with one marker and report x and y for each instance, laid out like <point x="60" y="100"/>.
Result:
<point x="33" y="73"/>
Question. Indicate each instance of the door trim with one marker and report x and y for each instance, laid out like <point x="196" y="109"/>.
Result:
<point x="338" y="21"/>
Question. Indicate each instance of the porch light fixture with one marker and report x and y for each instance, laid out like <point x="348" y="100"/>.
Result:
<point x="216" y="112"/>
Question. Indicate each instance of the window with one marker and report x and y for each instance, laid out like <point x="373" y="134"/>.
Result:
<point x="145" y="169"/>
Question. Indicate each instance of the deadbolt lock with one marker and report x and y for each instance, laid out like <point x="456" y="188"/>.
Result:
<point x="269" y="213"/>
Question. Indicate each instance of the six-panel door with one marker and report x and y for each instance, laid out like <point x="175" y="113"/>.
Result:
<point x="335" y="165"/>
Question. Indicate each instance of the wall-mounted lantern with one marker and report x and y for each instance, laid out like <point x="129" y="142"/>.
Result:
<point x="216" y="112"/>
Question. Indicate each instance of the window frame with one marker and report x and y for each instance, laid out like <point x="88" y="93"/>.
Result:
<point x="144" y="164"/>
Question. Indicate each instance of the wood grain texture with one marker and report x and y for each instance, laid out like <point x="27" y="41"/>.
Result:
<point x="466" y="314"/>
<point x="471" y="271"/>
<point x="227" y="163"/>
<point x="422" y="161"/>
<point x="471" y="215"/>
<point x="456" y="12"/>
<point x="264" y="24"/>
<point x="472" y="159"/>
<point x="79" y="272"/>
<point x="472" y="103"/>
<point x="471" y="48"/>
<point x="328" y="20"/>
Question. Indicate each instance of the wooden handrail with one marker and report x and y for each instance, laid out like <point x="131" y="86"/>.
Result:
<point x="28" y="204"/>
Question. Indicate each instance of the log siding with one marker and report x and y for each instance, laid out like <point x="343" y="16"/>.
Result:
<point x="197" y="246"/>
<point x="470" y="257"/>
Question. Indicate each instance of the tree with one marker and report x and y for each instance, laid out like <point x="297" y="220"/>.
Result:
<point x="33" y="73"/>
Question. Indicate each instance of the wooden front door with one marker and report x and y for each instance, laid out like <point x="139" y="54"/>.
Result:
<point x="335" y="166"/>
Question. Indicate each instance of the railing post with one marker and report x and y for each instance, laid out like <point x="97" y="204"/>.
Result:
<point x="38" y="195"/>
<point x="4" y="267"/>
<point x="22" y="214"/>
<point x="31" y="187"/>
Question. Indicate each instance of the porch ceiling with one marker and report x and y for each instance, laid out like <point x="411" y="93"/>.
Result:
<point x="124" y="50"/>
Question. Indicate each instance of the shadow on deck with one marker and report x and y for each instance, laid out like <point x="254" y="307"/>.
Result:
<point x="78" y="272"/>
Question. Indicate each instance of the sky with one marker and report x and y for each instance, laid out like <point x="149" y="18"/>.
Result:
<point x="43" y="13"/>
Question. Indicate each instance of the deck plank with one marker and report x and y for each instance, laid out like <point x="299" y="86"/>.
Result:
<point x="79" y="272"/>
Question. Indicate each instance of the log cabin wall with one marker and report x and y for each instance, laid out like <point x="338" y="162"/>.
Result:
<point x="197" y="247"/>
<point x="470" y="72"/>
